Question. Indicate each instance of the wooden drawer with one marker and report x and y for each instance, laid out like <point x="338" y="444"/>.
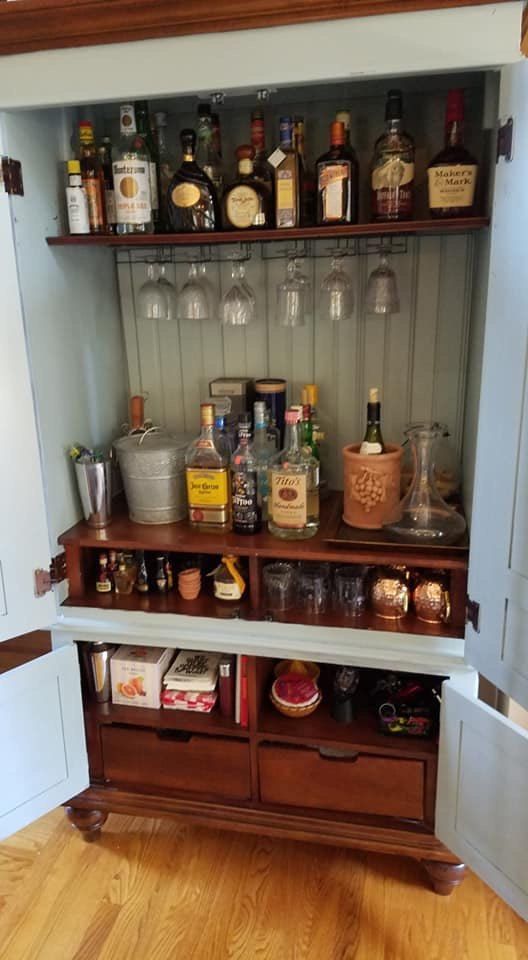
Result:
<point x="357" y="783"/>
<point x="210" y="766"/>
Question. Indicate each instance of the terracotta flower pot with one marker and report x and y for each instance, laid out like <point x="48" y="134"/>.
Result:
<point x="371" y="486"/>
<point x="190" y="583"/>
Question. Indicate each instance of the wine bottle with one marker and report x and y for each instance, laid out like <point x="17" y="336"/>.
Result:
<point x="373" y="440"/>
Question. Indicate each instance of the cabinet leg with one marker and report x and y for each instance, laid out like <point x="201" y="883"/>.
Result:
<point x="445" y="876"/>
<point x="89" y="822"/>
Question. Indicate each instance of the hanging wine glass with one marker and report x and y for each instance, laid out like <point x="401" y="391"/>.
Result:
<point x="151" y="299"/>
<point x="382" y="289"/>
<point x="192" y="301"/>
<point x="292" y="297"/>
<point x="170" y="292"/>
<point x="336" y="301"/>
<point x="210" y="289"/>
<point x="237" y="307"/>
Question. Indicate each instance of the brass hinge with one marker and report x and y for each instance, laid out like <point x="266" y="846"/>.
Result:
<point x="11" y="177"/>
<point x="505" y="140"/>
<point x="56" y="573"/>
<point x="473" y="614"/>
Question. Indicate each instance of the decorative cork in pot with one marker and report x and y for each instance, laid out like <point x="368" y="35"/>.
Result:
<point x="371" y="486"/>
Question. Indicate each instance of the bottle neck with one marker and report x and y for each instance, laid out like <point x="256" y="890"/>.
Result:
<point x="162" y="139"/>
<point x="258" y="137"/>
<point x="292" y="436"/>
<point x="394" y="125"/>
<point x="207" y="433"/>
<point x="373" y="413"/>
<point x="454" y="136"/>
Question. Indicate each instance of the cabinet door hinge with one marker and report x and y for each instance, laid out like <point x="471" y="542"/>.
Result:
<point x="473" y="614"/>
<point x="11" y="177"/>
<point x="505" y="140"/>
<point x="56" y="573"/>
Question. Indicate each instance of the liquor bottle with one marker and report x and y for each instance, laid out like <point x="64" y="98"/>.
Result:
<point x="76" y="200"/>
<point x="207" y="476"/>
<point x="293" y="504"/>
<point x="285" y="160"/>
<point x="392" y="174"/>
<point x="265" y="445"/>
<point x="262" y="170"/>
<point x="131" y="173"/>
<point x="103" y="583"/>
<point x="244" y="481"/>
<point x="192" y="201"/>
<point x="247" y="202"/>
<point x="141" y="584"/>
<point x="334" y="180"/>
<point x="166" y="168"/>
<point x="452" y="175"/>
<point x="207" y="156"/>
<point x="92" y="178"/>
<point x="217" y="134"/>
<point x="373" y="440"/>
<point x="161" y="574"/>
<point x="343" y="116"/>
<point x="144" y="130"/>
<point x="105" y="156"/>
<point x="223" y="440"/>
<point x="307" y="180"/>
<point x="169" y="573"/>
<point x="310" y="394"/>
<point x="307" y="436"/>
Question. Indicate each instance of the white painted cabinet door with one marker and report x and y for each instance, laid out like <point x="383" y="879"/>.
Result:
<point x="498" y="569"/>
<point x="481" y="808"/>
<point x="42" y="746"/>
<point x="24" y="543"/>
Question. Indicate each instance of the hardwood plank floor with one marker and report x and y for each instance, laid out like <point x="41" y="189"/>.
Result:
<point x="160" y="890"/>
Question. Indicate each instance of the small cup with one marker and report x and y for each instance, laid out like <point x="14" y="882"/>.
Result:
<point x="314" y="587"/>
<point x="279" y="586"/>
<point x="350" y="590"/>
<point x="190" y="583"/>
<point x="432" y="603"/>
<point x="389" y="593"/>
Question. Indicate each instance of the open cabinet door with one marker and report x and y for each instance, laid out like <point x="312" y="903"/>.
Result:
<point x="498" y="568"/>
<point x="481" y="809"/>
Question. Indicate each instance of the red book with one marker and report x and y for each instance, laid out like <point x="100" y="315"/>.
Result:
<point x="244" y="710"/>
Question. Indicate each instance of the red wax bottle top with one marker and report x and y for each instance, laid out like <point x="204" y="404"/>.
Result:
<point x="455" y="106"/>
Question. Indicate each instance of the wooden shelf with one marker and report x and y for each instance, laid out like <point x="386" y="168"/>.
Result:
<point x="204" y="606"/>
<point x="206" y="723"/>
<point x="410" y="624"/>
<point x="404" y="228"/>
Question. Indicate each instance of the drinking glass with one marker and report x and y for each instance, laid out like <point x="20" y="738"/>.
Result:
<point x="210" y="289"/>
<point x="151" y="299"/>
<point x="292" y="296"/>
<point x="337" y="295"/>
<point x="192" y="302"/>
<point x="279" y="586"/>
<point x="350" y="590"/>
<point x="313" y="587"/>
<point x="237" y="307"/>
<point x="382" y="290"/>
<point x="170" y="292"/>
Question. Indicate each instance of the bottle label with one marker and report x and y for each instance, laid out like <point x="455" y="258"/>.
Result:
<point x="103" y="586"/>
<point x="128" y="119"/>
<point x="94" y="195"/>
<point x="78" y="217"/>
<point x="242" y="206"/>
<point x="185" y="195"/>
<point x="452" y="185"/>
<point x="111" y="216"/>
<point x="333" y="179"/>
<point x="392" y="186"/>
<point x="285" y="199"/>
<point x="289" y="500"/>
<point x="368" y="447"/>
<point x="132" y="191"/>
<point x="227" y="591"/>
<point x="244" y="499"/>
<point x="153" y="177"/>
<point x="208" y="495"/>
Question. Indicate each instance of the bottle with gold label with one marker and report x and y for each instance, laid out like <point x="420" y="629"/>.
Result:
<point x="131" y="172"/>
<point x="92" y="178"/>
<point x="293" y="504"/>
<point x="192" y="201"/>
<point x="247" y="202"/>
<point x="334" y="180"/>
<point x="207" y="475"/>
<point x="452" y="175"/>
<point x="392" y="172"/>
<point x="285" y="160"/>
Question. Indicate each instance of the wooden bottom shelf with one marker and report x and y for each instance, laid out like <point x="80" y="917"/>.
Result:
<point x="204" y="606"/>
<point x="212" y="723"/>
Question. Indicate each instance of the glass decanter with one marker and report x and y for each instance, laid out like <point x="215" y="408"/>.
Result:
<point x="424" y="517"/>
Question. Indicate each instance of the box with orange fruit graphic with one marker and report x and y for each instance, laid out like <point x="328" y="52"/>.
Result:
<point x="137" y="673"/>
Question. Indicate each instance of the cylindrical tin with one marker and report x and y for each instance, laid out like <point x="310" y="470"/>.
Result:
<point x="273" y="393"/>
<point x="95" y="489"/>
<point x="99" y="654"/>
<point x="153" y="470"/>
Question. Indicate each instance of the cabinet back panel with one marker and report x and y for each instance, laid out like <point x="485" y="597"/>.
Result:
<point x="417" y="357"/>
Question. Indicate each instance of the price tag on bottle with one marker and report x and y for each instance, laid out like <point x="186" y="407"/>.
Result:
<point x="276" y="157"/>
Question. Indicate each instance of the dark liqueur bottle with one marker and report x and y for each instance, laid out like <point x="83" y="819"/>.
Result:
<point x="246" y="513"/>
<point x="192" y="200"/>
<point x="247" y="202"/>
<point x="452" y="174"/>
<point x="336" y="180"/>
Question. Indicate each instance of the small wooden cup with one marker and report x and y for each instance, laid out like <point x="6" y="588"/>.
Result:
<point x="371" y="486"/>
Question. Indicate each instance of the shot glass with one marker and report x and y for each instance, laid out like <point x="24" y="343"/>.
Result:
<point x="279" y="586"/>
<point x="313" y="587"/>
<point x="350" y="590"/>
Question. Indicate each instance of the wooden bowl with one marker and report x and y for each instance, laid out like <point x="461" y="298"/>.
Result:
<point x="296" y="713"/>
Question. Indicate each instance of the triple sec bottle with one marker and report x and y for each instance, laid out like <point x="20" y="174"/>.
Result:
<point x="131" y="172"/>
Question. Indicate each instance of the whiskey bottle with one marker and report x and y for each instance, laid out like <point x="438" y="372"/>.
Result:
<point x="207" y="156"/>
<point x="373" y="440"/>
<point x="392" y="174"/>
<point x="452" y="175"/>
<point x="293" y="505"/>
<point x="262" y="170"/>
<point x="334" y="180"/>
<point x="103" y="583"/>
<point x="192" y="201"/>
<point x="92" y="178"/>
<point x="207" y="476"/>
<point x="343" y="116"/>
<point x="105" y="156"/>
<point x="244" y="481"/>
<point x="131" y="173"/>
<point x="247" y="201"/>
<point x="285" y="160"/>
<point x="166" y="168"/>
<point x="144" y="130"/>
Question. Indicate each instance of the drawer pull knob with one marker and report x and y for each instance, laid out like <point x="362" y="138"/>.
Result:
<point x="326" y="753"/>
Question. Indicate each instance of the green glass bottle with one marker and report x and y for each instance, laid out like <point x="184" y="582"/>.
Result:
<point x="373" y="440"/>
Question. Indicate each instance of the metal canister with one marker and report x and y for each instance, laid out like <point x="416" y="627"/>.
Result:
<point x="99" y="655"/>
<point x="273" y="393"/>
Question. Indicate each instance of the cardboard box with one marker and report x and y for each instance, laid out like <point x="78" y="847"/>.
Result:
<point x="136" y="674"/>
<point x="240" y="390"/>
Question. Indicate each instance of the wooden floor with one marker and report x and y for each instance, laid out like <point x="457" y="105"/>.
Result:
<point x="159" y="890"/>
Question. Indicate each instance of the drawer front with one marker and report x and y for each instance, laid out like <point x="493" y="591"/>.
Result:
<point x="358" y="783"/>
<point x="209" y="766"/>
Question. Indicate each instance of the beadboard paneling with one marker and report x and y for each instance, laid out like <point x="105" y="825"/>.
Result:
<point x="418" y="357"/>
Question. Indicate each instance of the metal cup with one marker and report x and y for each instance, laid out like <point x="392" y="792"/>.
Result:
<point x="95" y="489"/>
<point x="99" y="654"/>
